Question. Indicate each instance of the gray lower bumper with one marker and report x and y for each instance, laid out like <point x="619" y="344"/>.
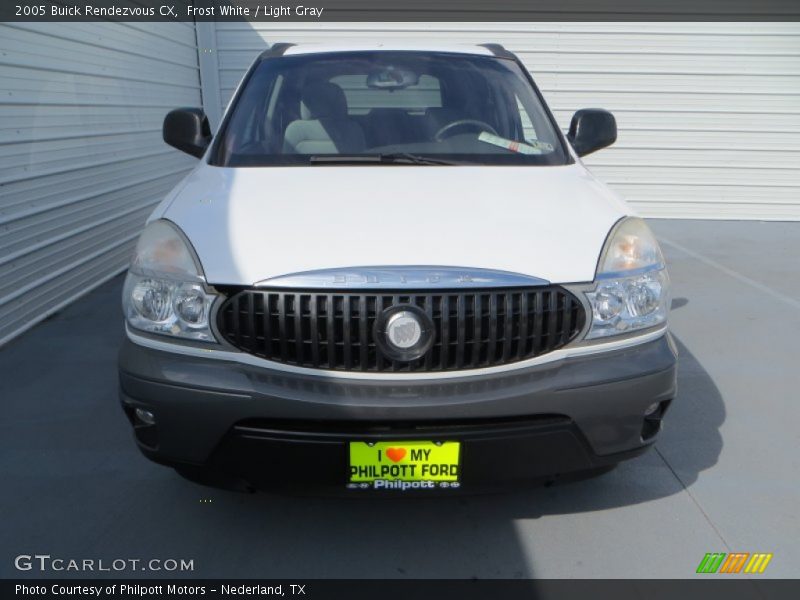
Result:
<point x="197" y="401"/>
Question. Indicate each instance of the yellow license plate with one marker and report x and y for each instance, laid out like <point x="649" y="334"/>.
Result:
<point x="405" y="465"/>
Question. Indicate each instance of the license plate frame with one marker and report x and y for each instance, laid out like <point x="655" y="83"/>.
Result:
<point x="404" y="465"/>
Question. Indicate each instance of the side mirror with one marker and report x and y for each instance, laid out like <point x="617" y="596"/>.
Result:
<point x="592" y="129"/>
<point x="187" y="129"/>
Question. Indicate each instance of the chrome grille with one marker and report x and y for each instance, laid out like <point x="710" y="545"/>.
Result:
<point x="473" y="328"/>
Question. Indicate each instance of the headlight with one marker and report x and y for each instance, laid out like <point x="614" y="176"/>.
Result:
<point x="165" y="290"/>
<point x="632" y="290"/>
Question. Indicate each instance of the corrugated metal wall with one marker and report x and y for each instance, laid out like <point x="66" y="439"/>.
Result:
<point x="81" y="157"/>
<point x="709" y="113"/>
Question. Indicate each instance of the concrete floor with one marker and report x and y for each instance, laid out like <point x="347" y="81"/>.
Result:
<point x="724" y="476"/>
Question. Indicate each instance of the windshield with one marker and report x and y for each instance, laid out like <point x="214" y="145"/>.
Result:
<point x="388" y="107"/>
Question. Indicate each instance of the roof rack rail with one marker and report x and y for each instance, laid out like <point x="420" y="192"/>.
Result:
<point x="498" y="50"/>
<point x="276" y="50"/>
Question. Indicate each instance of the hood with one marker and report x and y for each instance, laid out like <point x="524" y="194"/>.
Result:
<point x="252" y="224"/>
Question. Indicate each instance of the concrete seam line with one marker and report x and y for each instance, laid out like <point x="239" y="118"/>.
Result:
<point x="735" y="274"/>
<point x="694" y="500"/>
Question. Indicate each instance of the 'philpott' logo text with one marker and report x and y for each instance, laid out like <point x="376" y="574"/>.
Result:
<point x="45" y="562"/>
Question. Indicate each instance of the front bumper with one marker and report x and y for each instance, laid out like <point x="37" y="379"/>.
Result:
<point x="268" y="427"/>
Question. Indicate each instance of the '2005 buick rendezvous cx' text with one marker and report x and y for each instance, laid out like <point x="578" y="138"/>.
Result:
<point x="390" y="270"/>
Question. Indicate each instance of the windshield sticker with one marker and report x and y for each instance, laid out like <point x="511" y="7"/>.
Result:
<point x="519" y="147"/>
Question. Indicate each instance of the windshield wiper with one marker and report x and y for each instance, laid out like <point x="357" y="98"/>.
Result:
<point x="414" y="158"/>
<point x="391" y="158"/>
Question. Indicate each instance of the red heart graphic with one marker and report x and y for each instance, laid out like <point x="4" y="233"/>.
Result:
<point x="395" y="454"/>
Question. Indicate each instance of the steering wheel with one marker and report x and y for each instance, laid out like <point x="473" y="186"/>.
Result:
<point x="463" y="122"/>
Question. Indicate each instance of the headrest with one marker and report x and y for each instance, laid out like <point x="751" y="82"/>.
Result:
<point x="322" y="99"/>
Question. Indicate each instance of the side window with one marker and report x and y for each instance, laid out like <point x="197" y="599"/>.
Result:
<point x="414" y="99"/>
<point x="528" y="130"/>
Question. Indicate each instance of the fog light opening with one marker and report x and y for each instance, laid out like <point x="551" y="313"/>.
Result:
<point x="653" y="416"/>
<point x="145" y="417"/>
<point x="652" y="408"/>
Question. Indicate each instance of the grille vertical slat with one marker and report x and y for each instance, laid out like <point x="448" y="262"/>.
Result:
<point x="251" y="323"/>
<point x="363" y="333"/>
<point x="333" y="330"/>
<point x="347" y="348"/>
<point x="460" y="331"/>
<point x="314" y="337"/>
<point x="428" y="308"/>
<point x="378" y="308"/>
<point x="552" y="323"/>
<point x="282" y="309"/>
<point x="261" y="324"/>
<point x="477" y="338"/>
<point x="492" y="328"/>
<point x="445" y="329"/>
<point x="329" y="336"/>
<point x="523" y="324"/>
<point x="508" y="323"/>
<point x="268" y="329"/>
<point x="538" y="322"/>
<point x="298" y="328"/>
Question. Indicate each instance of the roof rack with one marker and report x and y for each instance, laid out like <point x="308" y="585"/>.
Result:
<point x="276" y="50"/>
<point x="498" y="50"/>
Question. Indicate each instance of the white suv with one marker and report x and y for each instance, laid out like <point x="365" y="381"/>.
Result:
<point x="391" y="271"/>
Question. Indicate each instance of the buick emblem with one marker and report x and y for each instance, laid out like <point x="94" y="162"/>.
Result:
<point x="403" y="332"/>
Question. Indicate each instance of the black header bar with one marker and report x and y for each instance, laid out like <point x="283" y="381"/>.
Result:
<point x="709" y="588"/>
<point x="399" y="10"/>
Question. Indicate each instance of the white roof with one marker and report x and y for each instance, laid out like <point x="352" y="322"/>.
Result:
<point x="366" y="47"/>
